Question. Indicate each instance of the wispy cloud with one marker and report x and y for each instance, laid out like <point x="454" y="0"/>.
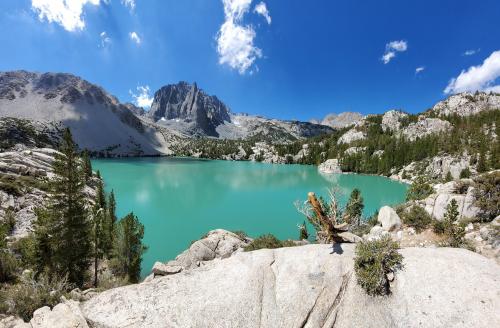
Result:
<point x="392" y="48"/>
<point x="471" y="52"/>
<point x="419" y="69"/>
<point x="142" y="98"/>
<point x="130" y="4"/>
<point x="480" y="77"/>
<point x="235" y="41"/>
<point x="261" y="9"/>
<point x="135" y="37"/>
<point x="67" y="13"/>
<point x="105" y="39"/>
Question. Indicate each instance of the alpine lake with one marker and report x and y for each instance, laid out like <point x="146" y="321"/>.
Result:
<point x="180" y="199"/>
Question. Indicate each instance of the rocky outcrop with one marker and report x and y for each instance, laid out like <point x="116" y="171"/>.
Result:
<point x="466" y="104"/>
<point x="439" y="166"/>
<point x="436" y="167"/>
<point x="266" y="153"/>
<point x="188" y="103"/>
<point x="388" y="218"/>
<point x="354" y="150"/>
<point x="436" y="203"/>
<point x="391" y="121"/>
<point x="63" y="315"/>
<point x="341" y="120"/>
<point x="351" y="135"/>
<point x="308" y="286"/>
<point x="23" y="181"/>
<point x="216" y="244"/>
<point x="424" y="127"/>
<point x="330" y="166"/>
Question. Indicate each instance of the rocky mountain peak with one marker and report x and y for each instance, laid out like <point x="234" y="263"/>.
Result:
<point x="392" y="119"/>
<point x="466" y="104"/>
<point x="186" y="102"/>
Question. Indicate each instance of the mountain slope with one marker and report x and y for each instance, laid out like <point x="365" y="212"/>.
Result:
<point x="97" y="120"/>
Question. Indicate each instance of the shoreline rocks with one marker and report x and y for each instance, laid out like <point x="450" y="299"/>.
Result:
<point x="330" y="166"/>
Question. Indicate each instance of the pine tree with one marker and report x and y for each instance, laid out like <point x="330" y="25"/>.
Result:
<point x="87" y="165"/>
<point x="67" y="223"/>
<point x="448" y="177"/>
<point x="481" y="163"/>
<point x="354" y="207"/>
<point x="452" y="213"/>
<point x="111" y="216"/>
<point x="303" y="233"/>
<point x="128" y="247"/>
<point x="99" y="227"/>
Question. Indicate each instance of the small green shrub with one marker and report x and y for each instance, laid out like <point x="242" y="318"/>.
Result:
<point x="31" y="294"/>
<point x="26" y="248"/>
<point x="8" y="267"/>
<point x="454" y="230"/>
<point x="418" y="218"/>
<point x="10" y="220"/>
<point x="374" y="260"/>
<point x="438" y="227"/>
<point x="419" y="189"/>
<point x="303" y="233"/>
<point x="267" y="241"/>
<point x="465" y="173"/>
<point x="4" y="307"/>
<point x="241" y="234"/>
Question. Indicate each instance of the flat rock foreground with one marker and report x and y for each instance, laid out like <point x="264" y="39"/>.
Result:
<point x="307" y="286"/>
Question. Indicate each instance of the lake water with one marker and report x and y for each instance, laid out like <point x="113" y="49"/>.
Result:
<point x="180" y="199"/>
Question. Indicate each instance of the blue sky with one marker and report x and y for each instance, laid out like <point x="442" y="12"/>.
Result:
<point x="292" y="59"/>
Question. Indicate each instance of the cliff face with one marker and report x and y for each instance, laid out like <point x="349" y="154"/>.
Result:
<point x="188" y="103"/>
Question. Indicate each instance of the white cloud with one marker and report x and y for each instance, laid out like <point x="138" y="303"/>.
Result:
<point x="261" y="9"/>
<point x="135" y="37"/>
<point x="105" y="39"/>
<point x="471" y="52"/>
<point x="392" y="48"/>
<point x="142" y="98"/>
<point x="480" y="77"/>
<point x="67" y="13"/>
<point x="419" y="69"/>
<point x="130" y="4"/>
<point x="235" y="41"/>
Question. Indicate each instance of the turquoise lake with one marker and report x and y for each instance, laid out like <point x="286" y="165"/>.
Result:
<point x="179" y="199"/>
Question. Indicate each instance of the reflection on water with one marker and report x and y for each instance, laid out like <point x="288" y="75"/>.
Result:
<point x="180" y="199"/>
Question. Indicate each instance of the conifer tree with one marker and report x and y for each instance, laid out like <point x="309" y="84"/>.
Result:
<point x="64" y="227"/>
<point x="128" y="247"/>
<point x="100" y="241"/>
<point x="111" y="216"/>
<point x="481" y="163"/>
<point x="87" y="165"/>
<point x="354" y="207"/>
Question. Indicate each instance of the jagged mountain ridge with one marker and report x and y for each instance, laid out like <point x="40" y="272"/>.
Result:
<point x="186" y="108"/>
